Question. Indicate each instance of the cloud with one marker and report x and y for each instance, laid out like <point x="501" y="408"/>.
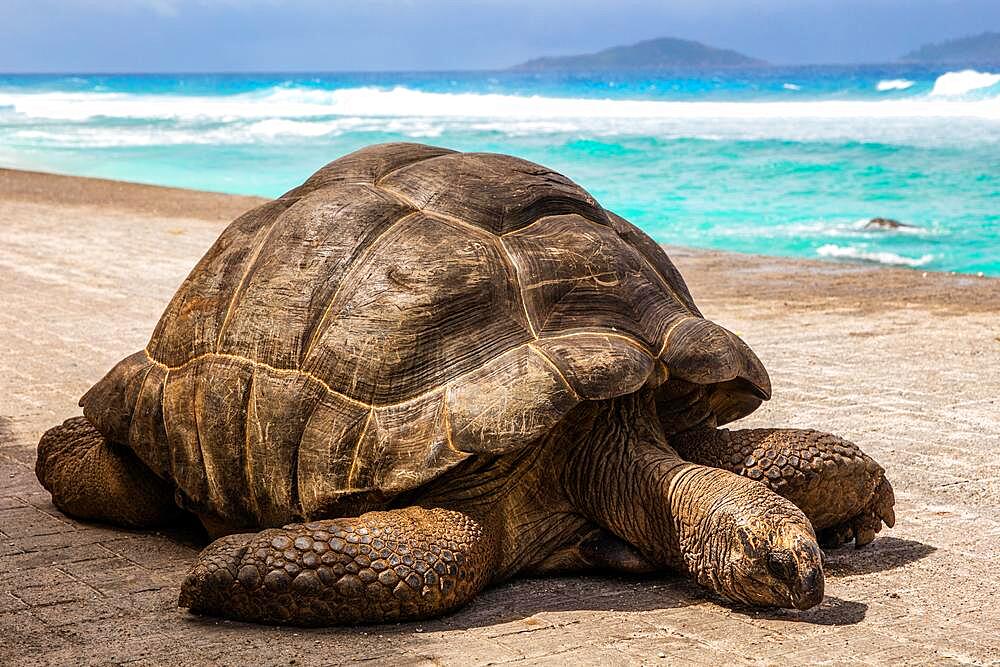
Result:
<point x="163" y="7"/>
<point x="160" y="7"/>
<point x="321" y="35"/>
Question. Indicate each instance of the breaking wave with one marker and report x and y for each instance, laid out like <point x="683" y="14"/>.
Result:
<point x="372" y="102"/>
<point x="740" y="164"/>
<point x="893" y="84"/>
<point x="878" y="257"/>
<point x="953" y="84"/>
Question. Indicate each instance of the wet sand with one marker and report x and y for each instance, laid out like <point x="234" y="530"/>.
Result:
<point x="905" y="363"/>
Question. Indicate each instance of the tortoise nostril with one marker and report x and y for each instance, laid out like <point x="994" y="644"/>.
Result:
<point x="782" y="565"/>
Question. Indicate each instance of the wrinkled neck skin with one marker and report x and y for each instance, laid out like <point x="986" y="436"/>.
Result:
<point x="619" y="471"/>
<point x="624" y="475"/>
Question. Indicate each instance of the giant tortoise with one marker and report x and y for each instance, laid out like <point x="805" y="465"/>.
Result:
<point x="423" y="372"/>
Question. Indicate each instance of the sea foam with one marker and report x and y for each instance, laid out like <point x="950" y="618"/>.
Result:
<point x="300" y="103"/>
<point x="965" y="81"/>
<point x="292" y="114"/>
<point x="877" y="257"/>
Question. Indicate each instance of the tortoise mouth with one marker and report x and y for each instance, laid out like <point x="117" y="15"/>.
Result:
<point x="798" y="571"/>
<point x="802" y="590"/>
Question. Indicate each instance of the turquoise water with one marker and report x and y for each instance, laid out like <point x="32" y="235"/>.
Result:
<point x="780" y="161"/>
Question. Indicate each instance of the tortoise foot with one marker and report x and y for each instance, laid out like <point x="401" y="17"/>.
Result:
<point x="405" y="564"/>
<point x="841" y="489"/>
<point x="91" y="478"/>
<point x="862" y="527"/>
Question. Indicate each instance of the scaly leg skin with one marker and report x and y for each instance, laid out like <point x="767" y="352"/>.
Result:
<point x="404" y="564"/>
<point x="91" y="478"/>
<point x="841" y="489"/>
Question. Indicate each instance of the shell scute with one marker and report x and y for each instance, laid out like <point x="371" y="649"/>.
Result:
<point x="430" y="302"/>
<point x="190" y="325"/>
<point x="404" y="446"/>
<point x="498" y="193"/>
<point x="507" y="403"/>
<point x="279" y="302"/>
<point x="110" y="403"/>
<point x="205" y="429"/>
<point x="702" y="352"/>
<point x="658" y="260"/>
<point x="278" y="410"/>
<point x="600" y="366"/>
<point x="146" y="430"/>
<point x="576" y="274"/>
<point x="326" y="453"/>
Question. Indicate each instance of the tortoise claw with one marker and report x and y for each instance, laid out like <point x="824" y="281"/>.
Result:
<point x="862" y="527"/>
<point x="884" y="500"/>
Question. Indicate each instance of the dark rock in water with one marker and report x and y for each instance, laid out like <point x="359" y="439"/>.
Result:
<point x="885" y="223"/>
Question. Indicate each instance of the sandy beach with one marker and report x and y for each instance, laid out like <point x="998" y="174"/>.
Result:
<point x="905" y="363"/>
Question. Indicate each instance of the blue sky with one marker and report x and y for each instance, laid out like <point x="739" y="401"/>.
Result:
<point x="318" y="35"/>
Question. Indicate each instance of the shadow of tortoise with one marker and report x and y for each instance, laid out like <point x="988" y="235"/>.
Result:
<point x="524" y="599"/>
<point x="885" y="553"/>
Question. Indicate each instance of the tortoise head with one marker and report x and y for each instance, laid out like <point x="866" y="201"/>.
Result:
<point x="767" y="558"/>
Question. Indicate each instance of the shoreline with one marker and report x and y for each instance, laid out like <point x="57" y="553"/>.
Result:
<point x="866" y="282"/>
<point x="40" y="187"/>
<point x="900" y="362"/>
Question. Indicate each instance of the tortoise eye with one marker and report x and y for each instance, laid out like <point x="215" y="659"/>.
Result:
<point x="782" y="565"/>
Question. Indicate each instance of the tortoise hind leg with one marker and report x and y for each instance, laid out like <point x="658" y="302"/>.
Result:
<point x="91" y="478"/>
<point x="841" y="489"/>
<point x="397" y="565"/>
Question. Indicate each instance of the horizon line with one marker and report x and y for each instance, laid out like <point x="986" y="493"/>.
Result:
<point x="515" y="69"/>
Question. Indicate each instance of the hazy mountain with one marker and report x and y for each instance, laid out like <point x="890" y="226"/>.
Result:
<point x="650" y="54"/>
<point x="984" y="48"/>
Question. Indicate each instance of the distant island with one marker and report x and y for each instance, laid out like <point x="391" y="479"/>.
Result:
<point x="665" y="52"/>
<point x="984" y="48"/>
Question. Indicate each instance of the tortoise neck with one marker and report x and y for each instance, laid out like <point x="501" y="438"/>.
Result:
<point x="622" y="474"/>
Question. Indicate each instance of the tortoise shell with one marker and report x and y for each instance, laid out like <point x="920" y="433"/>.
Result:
<point x="406" y="308"/>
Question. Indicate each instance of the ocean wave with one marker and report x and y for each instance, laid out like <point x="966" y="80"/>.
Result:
<point x="791" y="86"/>
<point x="371" y="102"/>
<point x="269" y="130"/>
<point x="893" y="84"/>
<point x="877" y="257"/>
<point x="290" y="114"/>
<point x="953" y="84"/>
<point x="846" y="133"/>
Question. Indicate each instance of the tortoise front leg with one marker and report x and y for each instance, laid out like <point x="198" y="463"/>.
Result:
<point x="840" y="488"/>
<point x="398" y="565"/>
